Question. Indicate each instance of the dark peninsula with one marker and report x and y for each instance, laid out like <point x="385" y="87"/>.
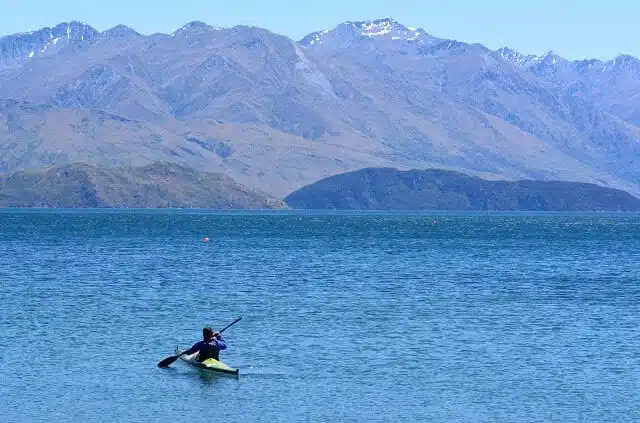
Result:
<point x="433" y="189"/>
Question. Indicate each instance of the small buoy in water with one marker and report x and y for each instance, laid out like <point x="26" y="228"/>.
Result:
<point x="205" y="239"/>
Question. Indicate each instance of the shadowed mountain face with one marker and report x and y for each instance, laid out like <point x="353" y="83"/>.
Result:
<point x="390" y="189"/>
<point x="157" y="185"/>
<point x="277" y="114"/>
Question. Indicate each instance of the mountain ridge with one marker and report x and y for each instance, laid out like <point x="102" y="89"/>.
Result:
<point x="284" y="114"/>
<point x="119" y="29"/>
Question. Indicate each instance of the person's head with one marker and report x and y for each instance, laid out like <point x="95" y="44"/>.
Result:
<point x="207" y="333"/>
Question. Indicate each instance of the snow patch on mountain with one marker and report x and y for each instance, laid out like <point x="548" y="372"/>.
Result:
<point x="316" y="37"/>
<point x="348" y="33"/>
<point x="515" y="57"/>
<point x="18" y="48"/>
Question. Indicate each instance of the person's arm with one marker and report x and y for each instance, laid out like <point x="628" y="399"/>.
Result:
<point x="221" y="344"/>
<point x="195" y="348"/>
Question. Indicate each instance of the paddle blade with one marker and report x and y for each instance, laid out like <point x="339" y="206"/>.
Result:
<point x="167" y="361"/>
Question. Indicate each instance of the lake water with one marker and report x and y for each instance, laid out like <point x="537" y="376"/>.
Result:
<point x="346" y="317"/>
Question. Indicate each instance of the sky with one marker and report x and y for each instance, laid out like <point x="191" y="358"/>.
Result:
<point x="574" y="29"/>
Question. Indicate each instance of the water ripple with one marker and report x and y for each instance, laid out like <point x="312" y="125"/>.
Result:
<point x="346" y="317"/>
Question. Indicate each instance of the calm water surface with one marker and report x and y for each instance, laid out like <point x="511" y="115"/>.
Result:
<point x="346" y="317"/>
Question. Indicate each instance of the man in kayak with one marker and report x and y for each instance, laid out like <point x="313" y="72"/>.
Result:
<point x="210" y="345"/>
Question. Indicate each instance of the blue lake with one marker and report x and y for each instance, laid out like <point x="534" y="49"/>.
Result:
<point x="359" y="317"/>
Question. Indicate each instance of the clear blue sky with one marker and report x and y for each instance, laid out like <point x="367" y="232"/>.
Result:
<point x="574" y="29"/>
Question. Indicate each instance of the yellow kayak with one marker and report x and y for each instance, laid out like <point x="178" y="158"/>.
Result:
<point x="210" y="364"/>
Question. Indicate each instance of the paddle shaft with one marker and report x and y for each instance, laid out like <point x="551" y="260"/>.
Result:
<point x="230" y="324"/>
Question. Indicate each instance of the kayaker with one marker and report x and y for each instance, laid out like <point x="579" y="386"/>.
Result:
<point x="210" y="345"/>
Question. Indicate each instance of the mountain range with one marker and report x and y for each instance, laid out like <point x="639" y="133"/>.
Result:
<point x="277" y="114"/>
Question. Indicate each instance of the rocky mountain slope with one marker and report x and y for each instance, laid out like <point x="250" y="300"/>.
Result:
<point x="276" y="114"/>
<point x="433" y="189"/>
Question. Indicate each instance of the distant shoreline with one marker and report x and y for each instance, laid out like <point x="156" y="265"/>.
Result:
<point x="318" y="212"/>
<point x="169" y="186"/>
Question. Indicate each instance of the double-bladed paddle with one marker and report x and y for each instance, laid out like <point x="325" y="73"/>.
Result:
<point x="167" y="361"/>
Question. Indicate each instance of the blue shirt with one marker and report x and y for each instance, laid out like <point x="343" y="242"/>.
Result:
<point x="208" y="349"/>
